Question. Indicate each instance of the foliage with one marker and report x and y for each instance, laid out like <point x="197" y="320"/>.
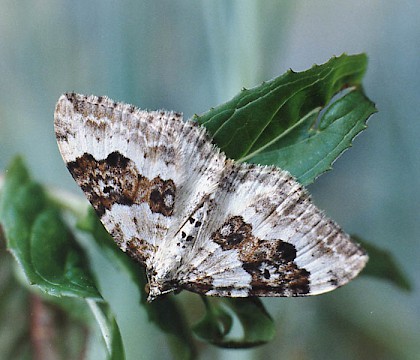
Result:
<point x="282" y="122"/>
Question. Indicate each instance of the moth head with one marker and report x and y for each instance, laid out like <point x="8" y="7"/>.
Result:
<point x="156" y="289"/>
<point x="159" y="283"/>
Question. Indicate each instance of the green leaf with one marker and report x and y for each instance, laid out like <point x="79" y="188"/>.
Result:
<point x="14" y="300"/>
<point x="167" y="315"/>
<point x="41" y="243"/>
<point x="117" y="347"/>
<point x="277" y="123"/>
<point x="382" y="265"/>
<point x="164" y="312"/>
<point x="216" y="325"/>
<point x="309" y="155"/>
<point x="109" y="329"/>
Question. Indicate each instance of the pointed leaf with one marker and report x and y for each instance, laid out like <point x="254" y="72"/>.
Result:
<point x="274" y="122"/>
<point x="382" y="265"/>
<point x="307" y="154"/>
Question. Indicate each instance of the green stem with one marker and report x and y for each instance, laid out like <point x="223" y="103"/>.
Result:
<point x="102" y="322"/>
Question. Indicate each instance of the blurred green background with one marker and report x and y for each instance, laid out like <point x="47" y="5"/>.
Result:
<point x="190" y="55"/>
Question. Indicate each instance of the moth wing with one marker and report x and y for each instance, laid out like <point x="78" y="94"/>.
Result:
<point x="264" y="237"/>
<point x="139" y="169"/>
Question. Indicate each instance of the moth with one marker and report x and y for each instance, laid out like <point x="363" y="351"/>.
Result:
<point x="195" y="219"/>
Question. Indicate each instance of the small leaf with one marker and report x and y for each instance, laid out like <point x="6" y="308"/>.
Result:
<point x="276" y="122"/>
<point x="215" y="327"/>
<point x="39" y="240"/>
<point x="382" y="265"/>
<point x="215" y="324"/>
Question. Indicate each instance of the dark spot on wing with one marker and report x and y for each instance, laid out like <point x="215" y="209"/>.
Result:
<point x="269" y="262"/>
<point x="286" y="252"/>
<point x="232" y="233"/>
<point x="106" y="182"/>
<point x="116" y="180"/>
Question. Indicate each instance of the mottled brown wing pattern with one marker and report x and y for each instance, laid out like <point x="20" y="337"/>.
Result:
<point x="139" y="169"/>
<point x="270" y="240"/>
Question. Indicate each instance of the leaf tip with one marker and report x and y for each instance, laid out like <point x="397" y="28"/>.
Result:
<point x="382" y="265"/>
